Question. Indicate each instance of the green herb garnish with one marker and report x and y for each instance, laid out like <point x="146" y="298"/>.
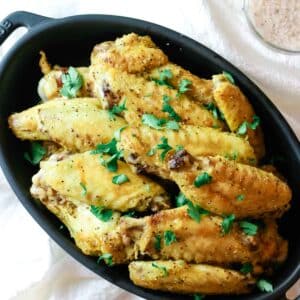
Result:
<point x="217" y="114"/>
<point x="159" y="124"/>
<point x="184" y="86"/>
<point x="229" y="77"/>
<point x="112" y="162"/>
<point x="157" y="242"/>
<point x="36" y="153"/>
<point x="240" y="197"/>
<point x="117" y="109"/>
<point x="245" y="125"/>
<point x="265" y="286"/>
<point x="151" y="152"/>
<point x="248" y="227"/>
<point x="181" y="200"/>
<point x="84" y="189"/>
<point x="117" y="133"/>
<point x="101" y="213"/>
<point x="202" y="179"/>
<point x="163" y="269"/>
<point x="107" y="257"/>
<point x="164" y="76"/>
<point x="195" y="211"/>
<point x="72" y="83"/>
<point x="120" y="179"/>
<point x="169" y="109"/>
<point x="227" y="223"/>
<point x="169" y="237"/>
<point x="198" y="297"/>
<point x="164" y="146"/>
<point x="246" y="268"/>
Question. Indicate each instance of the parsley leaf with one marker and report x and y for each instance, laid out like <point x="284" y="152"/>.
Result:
<point x="227" y="223"/>
<point x="179" y="148"/>
<point x="229" y="77"/>
<point x="164" y="76"/>
<point x="195" y="211"/>
<point x="72" y="83"/>
<point x="245" y="125"/>
<point x="240" y="197"/>
<point x="116" y="110"/>
<point x="169" y="109"/>
<point x="181" y="200"/>
<point x="117" y="133"/>
<point x="101" y="213"/>
<point x="169" y="237"/>
<point x="120" y="179"/>
<point x="151" y="152"/>
<point x="153" y="122"/>
<point x="164" y="146"/>
<point x="157" y="242"/>
<point x="184" y="86"/>
<point x="107" y="257"/>
<point x="246" y="268"/>
<point x="202" y="179"/>
<point x="112" y="162"/>
<point x="198" y="297"/>
<point x="248" y="227"/>
<point x="84" y="189"/>
<point x="35" y="154"/>
<point x="109" y="148"/>
<point x="163" y="269"/>
<point x="217" y="114"/>
<point x="265" y="286"/>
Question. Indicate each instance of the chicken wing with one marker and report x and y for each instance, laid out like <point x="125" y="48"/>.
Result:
<point x="75" y="124"/>
<point x="196" y="140"/>
<point x="236" y="110"/>
<point x="180" y="277"/>
<point x="145" y="97"/>
<point x="82" y="177"/>
<point x="131" y="53"/>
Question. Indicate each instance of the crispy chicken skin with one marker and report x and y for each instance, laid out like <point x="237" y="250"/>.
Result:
<point x="50" y="84"/>
<point x="131" y="53"/>
<point x="68" y="174"/>
<point x="237" y="109"/>
<point x="114" y="86"/>
<point x="196" y="140"/>
<point x="75" y="124"/>
<point x="201" y="242"/>
<point x="187" y="278"/>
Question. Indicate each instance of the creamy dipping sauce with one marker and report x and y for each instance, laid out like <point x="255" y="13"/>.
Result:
<point x="277" y="21"/>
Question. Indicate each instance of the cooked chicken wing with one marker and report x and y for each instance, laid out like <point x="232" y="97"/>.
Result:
<point x="195" y="242"/>
<point x="82" y="177"/>
<point x="236" y="110"/>
<point x="131" y="53"/>
<point x="196" y="140"/>
<point x="145" y="97"/>
<point x="180" y="277"/>
<point x="75" y="124"/>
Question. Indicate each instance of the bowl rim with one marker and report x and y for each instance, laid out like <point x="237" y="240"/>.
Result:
<point x="57" y="236"/>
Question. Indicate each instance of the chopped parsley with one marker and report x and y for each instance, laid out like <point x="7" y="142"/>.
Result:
<point x="117" y="133"/>
<point x="117" y="109"/>
<point x="159" y="123"/>
<point x="163" y="146"/>
<point x="198" y="297"/>
<point x="179" y="148"/>
<point x="195" y="211"/>
<point x="217" y="114"/>
<point x="164" y="76"/>
<point x="72" y="83"/>
<point x="120" y="179"/>
<point x="227" y="223"/>
<point x="240" y="197"/>
<point x="157" y="242"/>
<point x="169" y="237"/>
<point x="35" y="154"/>
<point x="169" y="109"/>
<point x="109" y="148"/>
<point x="152" y="151"/>
<point x="265" y="286"/>
<point x="202" y="179"/>
<point x="246" y="268"/>
<point x="163" y="269"/>
<point x="84" y="189"/>
<point x="229" y="77"/>
<point x="181" y="200"/>
<point x="249" y="228"/>
<point x="245" y="125"/>
<point x="101" y="213"/>
<point x="107" y="257"/>
<point x="184" y="86"/>
<point x="112" y="162"/>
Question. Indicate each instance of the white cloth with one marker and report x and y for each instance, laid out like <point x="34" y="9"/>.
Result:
<point x="34" y="267"/>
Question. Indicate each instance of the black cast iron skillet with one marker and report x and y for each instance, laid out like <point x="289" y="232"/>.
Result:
<point x="69" y="41"/>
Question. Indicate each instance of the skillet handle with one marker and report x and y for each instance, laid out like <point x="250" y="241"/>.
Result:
<point x="19" y="19"/>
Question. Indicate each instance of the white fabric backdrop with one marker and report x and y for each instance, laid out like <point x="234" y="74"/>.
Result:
<point x="34" y="267"/>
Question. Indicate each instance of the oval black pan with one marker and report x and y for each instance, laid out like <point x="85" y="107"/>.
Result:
<point x="69" y="41"/>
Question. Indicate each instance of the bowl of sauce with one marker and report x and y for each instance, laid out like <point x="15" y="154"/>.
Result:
<point x="276" y="22"/>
